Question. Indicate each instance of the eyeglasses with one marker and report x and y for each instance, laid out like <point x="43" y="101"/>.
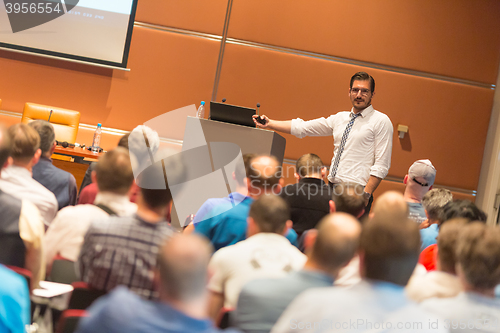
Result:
<point x="363" y="91"/>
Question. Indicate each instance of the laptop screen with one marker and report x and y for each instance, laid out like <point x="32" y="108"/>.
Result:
<point x="231" y="114"/>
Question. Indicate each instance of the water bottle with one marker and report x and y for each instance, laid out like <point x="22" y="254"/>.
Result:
<point x="97" y="139"/>
<point x="201" y="111"/>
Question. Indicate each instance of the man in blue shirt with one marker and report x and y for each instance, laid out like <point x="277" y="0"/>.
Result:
<point x="261" y="302"/>
<point x="225" y="226"/>
<point x="14" y="302"/>
<point x="182" y="277"/>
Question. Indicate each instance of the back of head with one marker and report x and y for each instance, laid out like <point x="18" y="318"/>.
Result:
<point x="123" y="142"/>
<point x="391" y="248"/>
<point x="46" y="132"/>
<point x="391" y="205"/>
<point x="264" y="174"/>
<point x="422" y="173"/>
<point x="478" y="255"/>
<point x="348" y="198"/>
<point x="183" y="262"/>
<point x="114" y="171"/>
<point x="157" y="179"/>
<point x="242" y="165"/>
<point x="434" y="201"/>
<point x="5" y="146"/>
<point x="309" y="165"/>
<point x="447" y="243"/>
<point x="336" y="242"/>
<point x="270" y="213"/>
<point x="25" y="142"/>
<point x="462" y="208"/>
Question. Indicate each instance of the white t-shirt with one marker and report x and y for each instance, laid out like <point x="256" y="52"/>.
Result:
<point x="264" y="255"/>
<point x="433" y="284"/>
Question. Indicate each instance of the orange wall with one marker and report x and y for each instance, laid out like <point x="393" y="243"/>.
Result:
<point x="434" y="63"/>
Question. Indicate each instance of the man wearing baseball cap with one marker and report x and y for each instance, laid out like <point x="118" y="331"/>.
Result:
<point x="418" y="181"/>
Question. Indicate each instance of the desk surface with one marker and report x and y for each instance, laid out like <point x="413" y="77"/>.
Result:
<point x="77" y="152"/>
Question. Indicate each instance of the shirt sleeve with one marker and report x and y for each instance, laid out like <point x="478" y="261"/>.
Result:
<point x="31" y="228"/>
<point x="315" y="127"/>
<point x="217" y="267"/>
<point x="383" y="148"/>
<point x="54" y="239"/>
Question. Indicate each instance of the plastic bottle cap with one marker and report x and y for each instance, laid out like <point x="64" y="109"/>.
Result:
<point x="202" y="103"/>
<point x="99" y="125"/>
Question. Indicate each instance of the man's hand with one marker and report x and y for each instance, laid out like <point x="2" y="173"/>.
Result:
<point x="261" y="121"/>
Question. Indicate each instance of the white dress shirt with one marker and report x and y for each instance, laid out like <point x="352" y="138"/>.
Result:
<point x="66" y="233"/>
<point x="18" y="181"/>
<point x="368" y="148"/>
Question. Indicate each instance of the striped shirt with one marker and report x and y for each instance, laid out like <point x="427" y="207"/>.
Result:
<point x="123" y="251"/>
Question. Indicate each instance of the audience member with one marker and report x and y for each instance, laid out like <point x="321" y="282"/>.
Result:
<point x="454" y="209"/>
<point x="21" y="226"/>
<point x="478" y="257"/>
<point x="261" y="302"/>
<point x="57" y="181"/>
<point x="89" y="188"/>
<point x="15" y="302"/>
<point x="114" y="177"/>
<point x="308" y="199"/>
<point x="122" y="250"/>
<point x="265" y="253"/>
<point x="419" y="181"/>
<point x="226" y="227"/>
<point x="233" y="199"/>
<point x="392" y="205"/>
<point x="433" y="202"/>
<point x="182" y="276"/>
<point x="389" y="251"/>
<point x="442" y="282"/>
<point x="17" y="178"/>
<point x="348" y="198"/>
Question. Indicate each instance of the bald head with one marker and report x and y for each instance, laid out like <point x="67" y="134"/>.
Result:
<point x="336" y="242"/>
<point x="391" y="205"/>
<point x="183" y="262"/>
<point x="264" y="175"/>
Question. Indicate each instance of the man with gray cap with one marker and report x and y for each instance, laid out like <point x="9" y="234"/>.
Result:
<point x="418" y="181"/>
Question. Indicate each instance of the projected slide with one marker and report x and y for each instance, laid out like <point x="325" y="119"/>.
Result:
<point x="87" y="29"/>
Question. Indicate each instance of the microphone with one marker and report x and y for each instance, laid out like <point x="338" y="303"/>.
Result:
<point x="259" y="119"/>
<point x="223" y="100"/>
<point x="50" y="115"/>
<point x="65" y="144"/>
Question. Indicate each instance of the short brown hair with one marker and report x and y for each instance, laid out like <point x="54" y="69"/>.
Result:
<point x="270" y="213"/>
<point x="363" y="76"/>
<point x="25" y="142"/>
<point x="308" y="165"/>
<point x="447" y="243"/>
<point x="348" y="198"/>
<point x="46" y="132"/>
<point x="5" y="146"/>
<point x="114" y="171"/>
<point x="391" y="248"/>
<point x="434" y="201"/>
<point x="478" y="253"/>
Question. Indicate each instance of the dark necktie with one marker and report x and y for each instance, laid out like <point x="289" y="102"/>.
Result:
<point x="335" y="166"/>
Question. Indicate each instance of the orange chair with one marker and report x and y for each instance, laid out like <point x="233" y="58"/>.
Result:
<point x="65" y="121"/>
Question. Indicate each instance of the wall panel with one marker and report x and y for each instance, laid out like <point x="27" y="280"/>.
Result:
<point x="442" y="37"/>
<point x="446" y="120"/>
<point x="195" y="15"/>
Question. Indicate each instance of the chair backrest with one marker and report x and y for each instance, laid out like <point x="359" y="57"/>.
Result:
<point x="69" y="320"/>
<point x="65" y="121"/>
<point x="23" y="272"/>
<point x="63" y="271"/>
<point x="83" y="296"/>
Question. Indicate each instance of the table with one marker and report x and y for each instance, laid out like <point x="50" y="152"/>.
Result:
<point x="77" y="153"/>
